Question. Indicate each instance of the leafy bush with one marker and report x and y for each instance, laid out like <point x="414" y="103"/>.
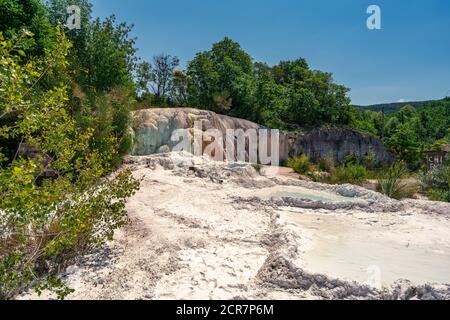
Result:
<point x="436" y="183"/>
<point x="351" y="159"/>
<point x="54" y="202"/>
<point x="300" y="164"/>
<point x="392" y="185"/>
<point x="348" y="172"/>
<point x="436" y="178"/>
<point x="351" y="173"/>
<point x="436" y="194"/>
<point x="371" y="162"/>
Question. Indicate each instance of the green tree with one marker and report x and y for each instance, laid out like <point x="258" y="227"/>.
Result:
<point x="221" y="80"/>
<point x="144" y="76"/>
<point x="108" y="58"/>
<point x="314" y="98"/>
<point x="163" y="68"/>
<point x="27" y="14"/>
<point x="412" y="130"/>
<point x="54" y="201"/>
<point x="178" y="94"/>
<point x="58" y="15"/>
<point x="366" y="121"/>
<point x="271" y="98"/>
<point x="405" y="144"/>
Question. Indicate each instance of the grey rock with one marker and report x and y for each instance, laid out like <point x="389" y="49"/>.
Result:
<point x="337" y="143"/>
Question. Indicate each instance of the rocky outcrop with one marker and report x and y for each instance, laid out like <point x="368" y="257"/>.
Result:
<point x="337" y="143"/>
<point x="153" y="129"/>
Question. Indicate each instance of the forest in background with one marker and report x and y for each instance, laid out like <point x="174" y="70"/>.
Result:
<point x="390" y="108"/>
<point x="65" y="102"/>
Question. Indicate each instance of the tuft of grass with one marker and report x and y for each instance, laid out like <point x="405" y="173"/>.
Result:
<point x="326" y="165"/>
<point x="392" y="184"/>
<point x="300" y="164"/>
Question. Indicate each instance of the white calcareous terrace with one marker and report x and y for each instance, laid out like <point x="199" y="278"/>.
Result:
<point x="202" y="229"/>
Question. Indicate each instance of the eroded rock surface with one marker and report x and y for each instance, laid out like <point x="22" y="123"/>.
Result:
<point x="337" y="143"/>
<point x="153" y="129"/>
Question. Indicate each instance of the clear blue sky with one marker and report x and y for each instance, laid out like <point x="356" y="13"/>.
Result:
<point x="408" y="59"/>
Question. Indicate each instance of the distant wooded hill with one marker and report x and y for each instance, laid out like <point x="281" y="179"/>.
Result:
<point x="391" y="108"/>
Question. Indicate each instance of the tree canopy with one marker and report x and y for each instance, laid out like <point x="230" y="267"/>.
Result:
<point x="30" y="15"/>
<point x="225" y="79"/>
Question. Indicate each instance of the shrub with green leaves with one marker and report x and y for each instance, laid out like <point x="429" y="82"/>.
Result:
<point x="351" y="173"/>
<point x="300" y="164"/>
<point x="351" y="159"/>
<point x="436" y="183"/>
<point x="347" y="172"/>
<point x="55" y="202"/>
<point x="436" y="194"/>
<point x="371" y="162"/>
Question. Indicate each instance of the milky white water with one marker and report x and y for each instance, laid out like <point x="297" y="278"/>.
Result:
<point x="300" y="193"/>
<point x="356" y="253"/>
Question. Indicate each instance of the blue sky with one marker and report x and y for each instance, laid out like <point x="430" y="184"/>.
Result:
<point x="408" y="59"/>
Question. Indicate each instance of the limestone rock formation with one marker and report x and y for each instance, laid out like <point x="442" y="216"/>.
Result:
<point x="337" y="143"/>
<point x="153" y="129"/>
